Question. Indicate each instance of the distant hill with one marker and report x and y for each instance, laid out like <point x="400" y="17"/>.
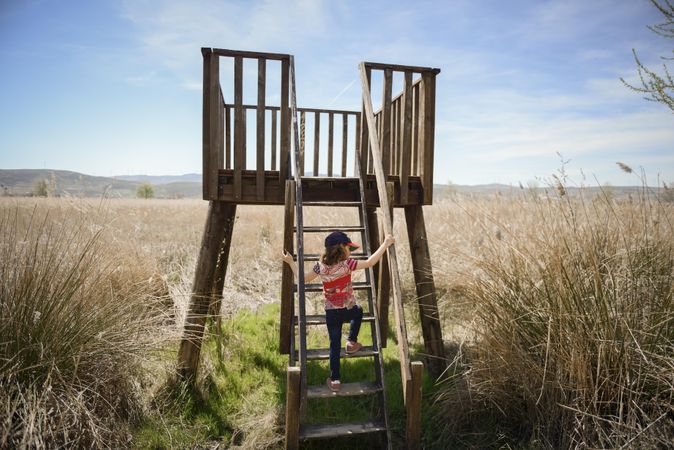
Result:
<point x="162" y="179"/>
<point x="21" y="182"/>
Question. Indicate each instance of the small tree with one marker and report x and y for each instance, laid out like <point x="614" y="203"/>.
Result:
<point x="145" y="190"/>
<point x="41" y="188"/>
<point x="657" y="87"/>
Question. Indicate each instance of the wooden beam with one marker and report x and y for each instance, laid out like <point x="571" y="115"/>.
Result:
<point x="239" y="131"/>
<point x="413" y="406"/>
<point x="223" y="261"/>
<point x="293" y="408"/>
<point x="285" y="122"/>
<point x="211" y="126"/>
<point x="260" y="124"/>
<point x="384" y="279"/>
<point x="406" y="147"/>
<point x="385" y="122"/>
<point x="331" y="139"/>
<point x="427" y="134"/>
<point x="286" y="322"/>
<point x="345" y="141"/>
<point x="274" y="125"/>
<point x="317" y="141"/>
<point x="252" y="55"/>
<point x="401" y="329"/>
<point x="202" y="288"/>
<point x="400" y="68"/>
<point x="425" y="288"/>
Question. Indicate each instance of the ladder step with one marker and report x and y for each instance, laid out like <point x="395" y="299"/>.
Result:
<point x="331" y="228"/>
<point x="342" y="204"/>
<point x="340" y="429"/>
<point x="316" y="256"/>
<point x="347" y="390"/>
<point x="324" y="353"/>
<point x="357" y="286"/>
<point x="319" y="319"/>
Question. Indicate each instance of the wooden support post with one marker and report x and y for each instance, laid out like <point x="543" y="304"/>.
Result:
<point x="413" y="406"/>
<point x="425" y="288"/>
<point x="211" y="128"/>
<point x="228" y="137"/>
<point x="223" y="261"/>
<point x="214" y="232"/>
<point x="302" y="135"/>
<point x="364" y="133"/>
<point x="239" y="127"/>
<point x="384" y="278"/>
<point x="331" y="139"/>
<point x="427" y="134"/>
<point x="287" y="309"/>
<point x="260" y="126"/>
<point x="317" y="142"/>
<point x="273" y="139"/>
<point x="385" y="122"/>
<point x="357" y="139"/>
<point x="406" y="147"/>
<point x="415" y="132"/>
<point x="293" y="408"/>
<point x="345" y="140"/>
<point x="284" y="154"/>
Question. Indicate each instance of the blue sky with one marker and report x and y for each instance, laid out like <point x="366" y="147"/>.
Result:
<point x="112" y="87"/>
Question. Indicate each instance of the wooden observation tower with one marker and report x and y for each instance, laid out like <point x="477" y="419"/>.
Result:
<point x="385" y="162"/>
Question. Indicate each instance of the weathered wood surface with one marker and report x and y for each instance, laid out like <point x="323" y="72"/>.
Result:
<point x="385" y="122"/>
<point x="274" y="125"/>
<point x="247" y="54"/>
<point x="223" y="262"/>
<point x="285" y="323"/>
<point x="202" y="287"/>
<point x="399" y="67"/>
<point x="384" y="278"/>
<point x="346" y="390"/>
<point x="317" y="142"/>
<point x="345" y="136"/>
<point x="406" y="147"/>
<point x="425" y="288"/>
<point x="284" y="157"/>
<point x="341" y="429"/>
<point x="331" y="141"/>
<point x="292" y="408"/>
<point x="413" y="406"/>
<point x="239" y="130"/>
<point x="427" y="134"/>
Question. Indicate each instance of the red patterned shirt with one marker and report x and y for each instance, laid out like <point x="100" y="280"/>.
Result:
<point x="337" y="287"/>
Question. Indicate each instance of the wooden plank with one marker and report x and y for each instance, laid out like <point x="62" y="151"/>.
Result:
<point x="293" y="408"/>
<point x="345" y="141"/>
<point x="401" y="329"/>
<point x="427" y="134"/>
<point x="221" y="135"/>
<point x="415" y="131"/>
<point x="326" y="111"/>
<point x="202" y="288"/>
<point x="317" y="142"/>
<point x="284" y="157"/>
<point x="345" y="229"/>
<point x="333" y="430"/>
<point x="413" y="407"/>
<point x="400" y="67"/>
<point x="406" y="147"/>
<point x="239" y="131"/>
<point x="357" y="286"/>
<point x="425" y="289"/>
<point x="260" y="123"/>
<point x="287" y="282"/>
<point x="302" y="135"/>
<point x="228" y="137"/>
<point x="395" y="137"/>
<point x="206" y="123"/>
<point x="384" y="286"/>
<point x="253" y="55"/>
<point x="331" y="138"/>
<point x="357" y="141"/>
<point x="319" y="319"/>
<point x="324" y="353"/>
<point x="364" y="146"/>
<point x="346" y="390"/>
<point x="274" y="124"/>
<point x="385" y="122"/>
<point x="373" y="239"/>
<point x="212" y="151"/>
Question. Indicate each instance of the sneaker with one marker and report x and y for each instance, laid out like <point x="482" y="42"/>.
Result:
<point x="334" y="386"/>
<point x="352" y="347"/>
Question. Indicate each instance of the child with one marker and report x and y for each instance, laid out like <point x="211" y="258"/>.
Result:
<point x="335" y="269"/>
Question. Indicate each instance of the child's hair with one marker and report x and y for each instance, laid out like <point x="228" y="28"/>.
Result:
<point x="333" y="254"/>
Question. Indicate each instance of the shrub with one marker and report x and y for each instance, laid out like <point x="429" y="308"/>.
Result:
<point x="145" y="190"/>
<point x="76" y="320"/>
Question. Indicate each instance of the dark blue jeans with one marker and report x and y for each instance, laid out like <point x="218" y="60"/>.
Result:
<point x="334" y="318"/>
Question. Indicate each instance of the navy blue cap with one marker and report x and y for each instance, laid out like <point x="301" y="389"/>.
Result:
<point x="339" y="237"/>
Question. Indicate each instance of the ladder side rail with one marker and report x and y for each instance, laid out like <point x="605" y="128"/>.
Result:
<point x="300" y="240"/>
<point x="401" y="329"/>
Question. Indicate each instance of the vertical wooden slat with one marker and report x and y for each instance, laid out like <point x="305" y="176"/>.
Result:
<point x="228" y="137"/>
<point x="221" y="135"/>
<point x="385" y="121"/>
<point x="406" y="142"/>
<point x="364" y="134"/>
<point x="415" y="132"/>
<point x="273" y="139"/>
<point x="284" y="153"/>
<point x="427" y="134"/>
<point x="377" y="125"/>
<point x="356" y="139"/>
<point x="317" y="141"/>
<point x="286" y="321"/>
<point x="396" y="138"/>
<point x="214" y="128"/>
<point x="261" y="97"/>
<point x="239" y="130"/>
<point x="413" y="406"/>
<point x="384" y="279"/>
<point x="302" y="133"/>
<point x="331" y="127"/>
<point x="293" y="408"/>
<point x="206" y="123"/>
<point x="345" y="141"/>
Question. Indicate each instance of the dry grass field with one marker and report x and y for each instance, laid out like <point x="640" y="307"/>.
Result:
<point x="557" y="314"/>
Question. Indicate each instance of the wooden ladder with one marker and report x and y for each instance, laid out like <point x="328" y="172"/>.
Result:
<point x="378" y="424"/>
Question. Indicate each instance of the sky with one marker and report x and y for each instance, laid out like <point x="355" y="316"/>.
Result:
<point x="113" y="87"/>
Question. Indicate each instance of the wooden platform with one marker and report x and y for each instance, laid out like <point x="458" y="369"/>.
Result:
<point x="317" y="189"/>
